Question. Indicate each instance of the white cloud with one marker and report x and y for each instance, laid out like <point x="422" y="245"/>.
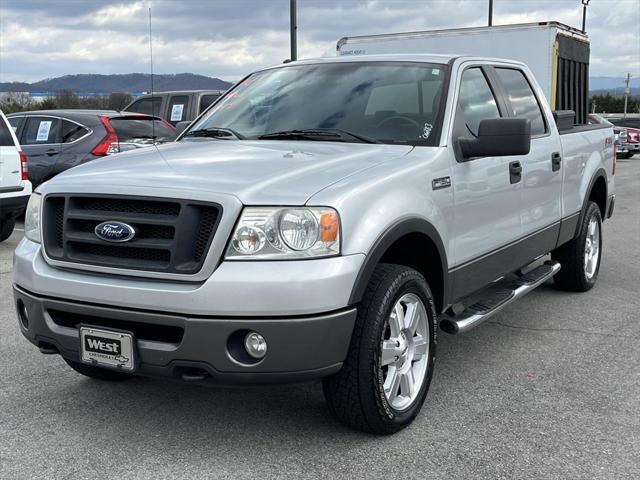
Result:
<point x="229" y="38"/>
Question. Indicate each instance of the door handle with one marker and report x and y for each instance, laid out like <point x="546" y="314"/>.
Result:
<point x="556" y="161"/>
<point x="51" y="152"/>
<point x="515" y="172"/>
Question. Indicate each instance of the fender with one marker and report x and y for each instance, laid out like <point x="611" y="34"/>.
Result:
<point x="398" y="230"/>
<point x="600" y="173"/>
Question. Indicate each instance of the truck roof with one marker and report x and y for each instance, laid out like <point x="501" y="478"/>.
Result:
<point x="399" y="57"/>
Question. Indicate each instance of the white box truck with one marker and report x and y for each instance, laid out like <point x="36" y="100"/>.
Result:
<point x="558" y="55"/>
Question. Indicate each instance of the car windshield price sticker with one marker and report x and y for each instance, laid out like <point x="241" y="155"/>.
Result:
<point x="43" y="131"/>
<point x="176" y="112"/>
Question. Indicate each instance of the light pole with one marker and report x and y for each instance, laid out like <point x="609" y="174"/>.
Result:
<point x="294" y="30"/>
<point x="490" y="12"/>
<point x="584" y="15"/>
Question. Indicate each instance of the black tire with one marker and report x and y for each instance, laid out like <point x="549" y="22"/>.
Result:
<point x="355" y="395"/>
<point x="6" y="228"/>
<point x="97" y="372"/>
<point x="571" y="256"/>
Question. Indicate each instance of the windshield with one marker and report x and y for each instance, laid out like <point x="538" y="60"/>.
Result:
<point x="389" y="102"/>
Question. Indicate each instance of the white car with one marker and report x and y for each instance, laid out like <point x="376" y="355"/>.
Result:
<point x="15" y="187"/>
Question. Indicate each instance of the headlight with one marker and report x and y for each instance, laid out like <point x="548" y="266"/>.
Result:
<point x="282" y="233"/>
<point x="32" y="218"/>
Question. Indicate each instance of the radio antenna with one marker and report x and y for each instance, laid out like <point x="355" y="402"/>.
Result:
<point x="153" y="121"/>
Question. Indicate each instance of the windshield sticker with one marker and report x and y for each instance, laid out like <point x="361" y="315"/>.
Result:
<point x="426" y="131"/>
<point x="43" y="131"/>
<point x="176" y="112"/>
<point x="435" y="71"/>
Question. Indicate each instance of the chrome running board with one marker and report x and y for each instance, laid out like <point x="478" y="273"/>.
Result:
<point x="496" y="298"/>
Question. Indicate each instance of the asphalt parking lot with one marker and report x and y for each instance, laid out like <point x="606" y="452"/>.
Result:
<point x="549" y="388"/>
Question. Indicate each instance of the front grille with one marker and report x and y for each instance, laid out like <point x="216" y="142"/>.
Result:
<point x="171" y="236"/>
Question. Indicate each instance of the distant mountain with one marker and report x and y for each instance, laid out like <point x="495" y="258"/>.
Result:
<point x="130" y="83"/>
<point x="612" y="83"/>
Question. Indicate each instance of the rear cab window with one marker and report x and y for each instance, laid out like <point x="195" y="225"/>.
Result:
<point x="41" y="131"/>
<point x="136" y="129"/>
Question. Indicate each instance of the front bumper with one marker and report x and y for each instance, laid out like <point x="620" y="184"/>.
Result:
<point x="178" y="346"/>
<point x="260" y="289"/>
<point x="13" y="204"/>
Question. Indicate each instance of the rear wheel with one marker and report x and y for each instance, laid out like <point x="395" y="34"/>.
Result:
<point x="6" y="228"/>
<point x="97" y="372"/>
<point x="580" y="258"/>
<point x="385" y="378"/>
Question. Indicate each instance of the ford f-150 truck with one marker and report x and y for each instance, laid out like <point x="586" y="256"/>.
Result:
<point x="322" y="220"/>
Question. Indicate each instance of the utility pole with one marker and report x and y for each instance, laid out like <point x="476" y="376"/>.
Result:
<point x="294" y="30"/>
<point x="626" y="94"/>
<point x="490" y="12"/>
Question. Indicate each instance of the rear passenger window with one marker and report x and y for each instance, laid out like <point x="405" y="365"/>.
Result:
<point x="72" y="131"/>
<point x="522" y="99"/>
<point x="476" y="100"/>
<point x="178" y="109"/>
<point x="41" y="131"/>
<point x="148" y="106"/>
<point x="206" y="101"/>
<point x="6" y="140"/>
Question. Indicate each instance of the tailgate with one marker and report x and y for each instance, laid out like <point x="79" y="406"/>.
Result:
<point x="10" y="175"/>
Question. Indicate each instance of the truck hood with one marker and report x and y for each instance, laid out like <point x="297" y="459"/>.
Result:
<point x="256" y="172"/>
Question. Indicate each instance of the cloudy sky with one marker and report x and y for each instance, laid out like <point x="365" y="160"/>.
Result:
<point x="229" y="38"/>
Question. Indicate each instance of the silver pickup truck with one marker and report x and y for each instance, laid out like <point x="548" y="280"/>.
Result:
<point x="322" y="220"/>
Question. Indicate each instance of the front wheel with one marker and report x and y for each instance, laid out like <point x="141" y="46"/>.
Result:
<point x="580" y="258"/>
<point x="385" y="378"/>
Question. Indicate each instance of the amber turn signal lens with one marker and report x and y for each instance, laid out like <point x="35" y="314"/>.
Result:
<point x="329" y="226"/>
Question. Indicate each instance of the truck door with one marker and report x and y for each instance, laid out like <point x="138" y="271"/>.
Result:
<point x="487" y="193"/>
<point x="542" y="168"/>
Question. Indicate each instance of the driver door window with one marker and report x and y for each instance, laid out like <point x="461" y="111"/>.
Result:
<point x="476" y="100"/>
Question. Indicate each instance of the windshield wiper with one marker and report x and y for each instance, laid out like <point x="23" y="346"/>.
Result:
<point x="328" y="134"/>
<point x="215" y="132"/>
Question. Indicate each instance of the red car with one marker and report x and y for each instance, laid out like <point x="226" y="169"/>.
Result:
<point x="632" y="124"/>
<point x="622" y="147"/>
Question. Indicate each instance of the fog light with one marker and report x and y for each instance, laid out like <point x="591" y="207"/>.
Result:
<point x="255" y="345"/>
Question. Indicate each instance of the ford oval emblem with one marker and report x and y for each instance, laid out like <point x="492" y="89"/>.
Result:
<point x="113" y="231"/>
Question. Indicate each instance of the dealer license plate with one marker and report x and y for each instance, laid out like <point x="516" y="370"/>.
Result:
<point x="107" y="348"/>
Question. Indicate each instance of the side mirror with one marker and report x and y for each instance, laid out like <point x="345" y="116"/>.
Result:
<point x="182" y="126"/>
<point x="498" y="137"/>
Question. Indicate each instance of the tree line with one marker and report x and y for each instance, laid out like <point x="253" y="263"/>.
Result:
<point x="610" y="104"/>
<point x="22" y="101"/>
